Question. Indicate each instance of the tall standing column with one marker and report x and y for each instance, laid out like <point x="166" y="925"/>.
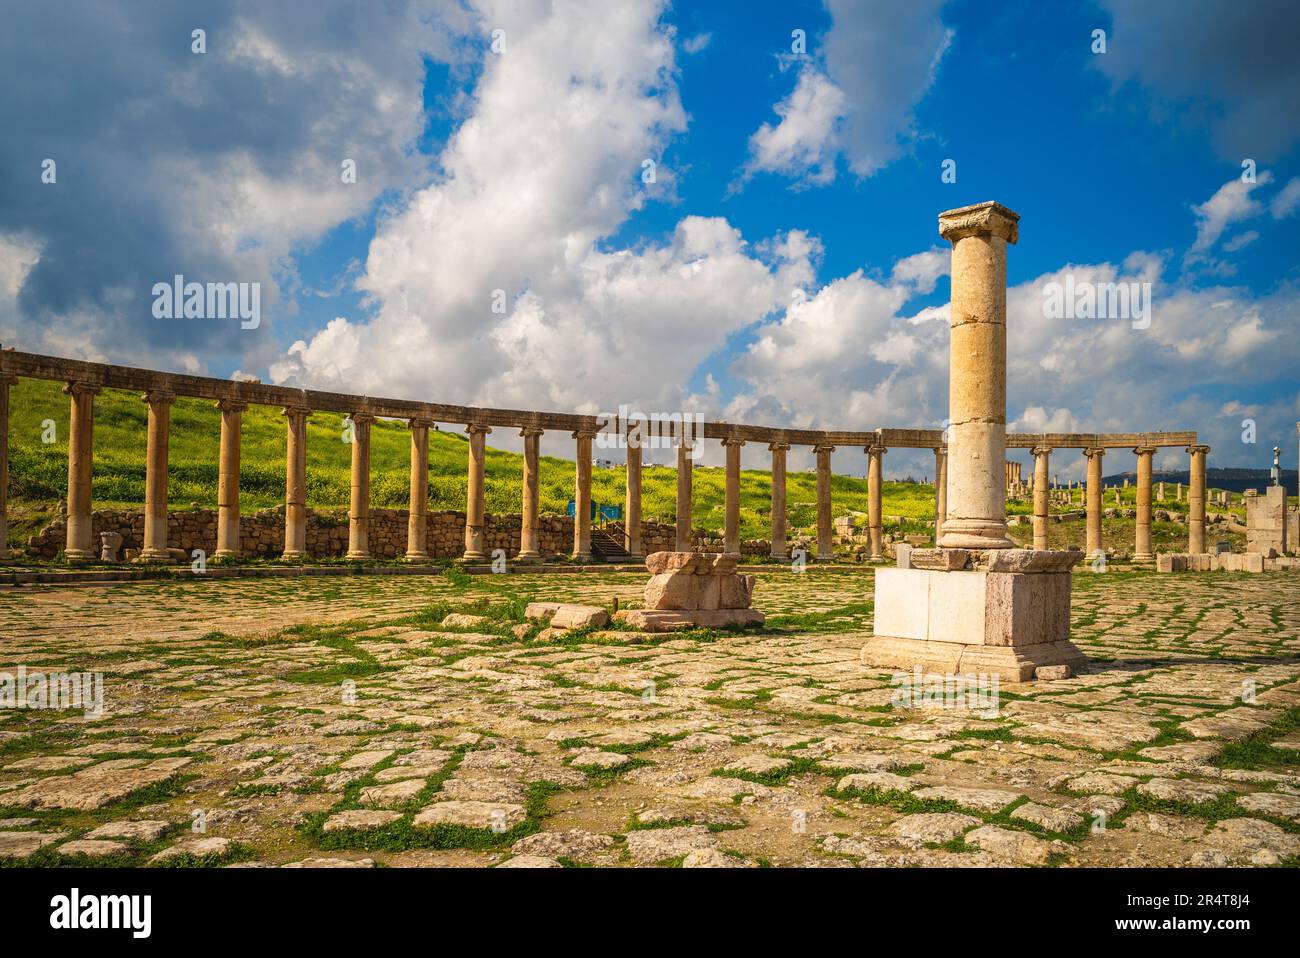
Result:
<point x="529" y="528"/>
<point x="940" y="489"/>
<point x="731" y="507"/>
<point x="474" y="498"/>
<point x="359" y="504"/>
<point x="1094" y="499"/>
<point x="582" y="496"/>
<point x="1042" y="457"/>
<point x="1196" y="500"/>
<point x="417" y="520"/>
<point x="81" y="458"/>
<point x="1142" y="538"/>
<point x="295" y="482"/>
<point x="875" y="489"/>
<point x="779" y="549"/>
<point x="685" y="478"/>
<point x="6" y="380"/>
<point x="977" y="376"/>
<point x="155" y="475"/>
<point x="232" y="425"/>
<point x="632" y="504"/>
<point x="825" y="527"/>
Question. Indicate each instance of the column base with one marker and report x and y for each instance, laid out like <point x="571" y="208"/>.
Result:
<point x="225" y="554"/>
<point x="532" y="555"/>
<point x="417" y="557"/>
<point x="154" y="555"/>
<point x="292" y="555"/>
<point x="825" y="557"/>
<point x="358" y="556"/>
<point x="80" y="555"/>
<point x="1144" y="557"/>
<point x="473" y="556"/>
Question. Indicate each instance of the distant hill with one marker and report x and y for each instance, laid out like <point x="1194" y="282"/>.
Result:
<point x="1233" y="480"/>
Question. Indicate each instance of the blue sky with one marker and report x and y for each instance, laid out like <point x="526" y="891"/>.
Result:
<point x="519" y="170"/>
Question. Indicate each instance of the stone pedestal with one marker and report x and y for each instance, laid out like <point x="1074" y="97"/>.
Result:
<point x="1266" y="529"/>
<point x="693" y="590"/>
<point x="1003" y="612"/>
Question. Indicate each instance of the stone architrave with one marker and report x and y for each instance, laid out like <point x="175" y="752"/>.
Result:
<point x="976" y="604"/>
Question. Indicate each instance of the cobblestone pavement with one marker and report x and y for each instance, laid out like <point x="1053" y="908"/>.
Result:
<point x="336" y="721"/>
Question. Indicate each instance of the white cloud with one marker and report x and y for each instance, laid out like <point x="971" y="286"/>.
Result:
<point x="803" y="145"/>
<point x="697" y="42"/>
<point x="1287" y="199"/>
<point x="1231" y="203"/>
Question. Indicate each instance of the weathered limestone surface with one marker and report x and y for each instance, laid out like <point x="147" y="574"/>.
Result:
<point x="694" y="587"/>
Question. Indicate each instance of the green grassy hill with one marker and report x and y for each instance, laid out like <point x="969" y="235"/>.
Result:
<point x="38" y="472"/>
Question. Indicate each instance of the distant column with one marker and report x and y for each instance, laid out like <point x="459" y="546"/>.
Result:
<point x="1042" y="457"/>
<point x="81" y="457"/>
<point x="1094" y="501"/>
<point x="1196" y="500"/>
<point x="232" y="423"/>
<point x="474" y="498"/>
<point x="940" y="489"/>
<point x="1142" y="538"/>
<point x="295" y="482"/>
<point x="582" y="496"/>
<point x="685" y="476"/>
<point x="875" y="488"/>
<point x="417" y="522"/>
<point x="155" y="474"/>
<point x="731" y="510"/>
<point x="632" y="505"/>
<point x="359" y="504"/>
<point x="530" y="518"/>
<point x="6" y="380"/>
<point x="825" y="527"/>
<point x="779" y="549"/>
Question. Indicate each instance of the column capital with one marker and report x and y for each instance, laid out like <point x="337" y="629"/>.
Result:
<point x="823" y="447"/>
<point x="1145" y="450"/>
<point x="231" y="405"/>
<point x="360" y="418"/>
<point x="11" y="379"/>
<point x="420" y="422"/>
<point x="79" y="388"/>
<point x="778" y="446"/>
<point x="941" y="450"/>
<point x="477" y="428"/>
<point x="1203" y="450"/>
<point x="733" y="441"/>
<point x="1090" y="451"/>
<point x="982" y="219"/>
<point x="295" y="412"/>
<point x="583" y="434"/>
<point x="875" y="449"/>
<point x="1041" y="450"/>
<point x="528" y="431"/>
<point x="157" y="397"/>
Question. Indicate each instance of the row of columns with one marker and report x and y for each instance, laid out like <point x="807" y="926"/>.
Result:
<point x="79" y="543"/>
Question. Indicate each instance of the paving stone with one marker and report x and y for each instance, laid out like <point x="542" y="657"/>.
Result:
<point x="1273" y="804"/>
<point x="487" y="815"/>
<point x="932" y="828"/>
<point x="530" y="861"/>
<point x="885" y="781"/>
<point x="758" y="765"/>
<point x="141" y="831"/>
<point x="94" y="847"/>
<point x="1020" y="848"/>
<point x="25" y="844"/>
<point x="358" y="818"/>
<point x="197" y="847"/>
<point x="1181" y="790"/>
<point x="594" y="758"/>
<point x="982" y="799"/>
<point x="1053" y="819"/>
<point x="392" y="795"/>
<point x="651" y="845"/>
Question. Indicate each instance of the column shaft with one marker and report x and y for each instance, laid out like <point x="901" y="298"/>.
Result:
<point x="417" y="519"/>
<point x="359" y="507"/>
<point x="232" y="424"/>
<point x="81" y="444"/>
<point x="295" y="482"/>
<point x="940" y="490"/>
<point x="825" y="525"/>
<point x="731" y="507"/>
<point x="977" y="380"/>
<point x="1093" y="498"/>
<point x="6" y="381"/>
<point x="875" y="493"/>
<point x="1196" y="500"/>
<point x="582" y="497"/>
<point x="779" y="549"/>
<point x="685" y="476"/>
<point x="529" y="520"/>
<point x="475" y="517"/>
<point x="632" y="505"/>
<point x="1142" y="536"/>
<point x="1042" y="455"/>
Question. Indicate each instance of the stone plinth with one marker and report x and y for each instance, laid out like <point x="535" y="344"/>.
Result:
<point x="1266" y="522"/>
<point x="693" y="590"/>
<point x="1004" y="611"/>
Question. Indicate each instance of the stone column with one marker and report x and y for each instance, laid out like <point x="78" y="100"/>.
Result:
<point x="731" y="519"/>
<point x="825" y="526"/>
<point x="977" y="376"/>
<point x="779" y="549"/>
<point x="295" y="483"/>
<point x="685" y="479"/>
<point x="875" y="489"/>
<point x="417" y="521"/>
<point x="1142" y="538"/>
<point x="529" y="529"/>
<point x="232" y="424"/>
<point x="582" y="497"/>
<point x="1093" y="498"/>
<point x="474" y="505"/>
<point x="940" y="490"/>
<point x="632" y="503"/>
<point x="6" y="380"/>
<point x="359" y="507"/>
<point x="1042" y="458"/>
<point x="1196" y="500"/>
<point x="155" y="475"/>
<point x="81" y="458"/>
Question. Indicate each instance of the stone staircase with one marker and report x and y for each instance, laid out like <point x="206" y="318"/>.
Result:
<point x="607" y="543"/>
